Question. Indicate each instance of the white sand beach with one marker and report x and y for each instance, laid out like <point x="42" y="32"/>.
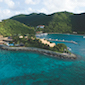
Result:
<point x="47" y="42"/>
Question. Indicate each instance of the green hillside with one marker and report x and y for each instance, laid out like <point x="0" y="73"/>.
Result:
<point x="33" y="19"/>
<point x="10" y="27"/>
<point x="62" y="22"/>
<point x="78" y="22"/>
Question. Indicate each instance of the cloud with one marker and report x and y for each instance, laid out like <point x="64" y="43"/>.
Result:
<point x="81" y="3"/>
<point x="29" y="2"/>
<point x="10" y="8"/>
<point x="18" y="2"/>
<point x="63" y="5"/>
<point x="17" y="12"/>
<point x="10" y="3"/>
<point x="32" y="1"/>
<point x="1" y="0"/>
<point x="5" y="13"/>
<point x="30" y="9"/>
<point x="42" y="10"/>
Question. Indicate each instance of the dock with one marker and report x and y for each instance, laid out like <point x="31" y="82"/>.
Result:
<point x="63" y="41"/>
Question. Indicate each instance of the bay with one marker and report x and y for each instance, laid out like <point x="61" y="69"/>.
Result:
<point x="30" y="68"/>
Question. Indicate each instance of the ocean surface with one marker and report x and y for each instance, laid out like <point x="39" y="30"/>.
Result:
<point x="30" y="68"/>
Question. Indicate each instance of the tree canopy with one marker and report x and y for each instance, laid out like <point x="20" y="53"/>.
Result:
<point x="64" y="22"/>
<point x="10" y="27"/>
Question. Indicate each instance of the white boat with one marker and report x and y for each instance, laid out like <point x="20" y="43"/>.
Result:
<point x="69" y="48"/>
<point x="49" y="39"/>
<point x="63" y="40"/>
<point x="45" y="33"/>
<point x="83" y="36"/>
<point x="37" y="35"/>
<point x="56" y="39"/>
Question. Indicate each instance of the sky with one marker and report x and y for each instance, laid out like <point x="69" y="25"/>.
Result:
<point x="9" y="8"/>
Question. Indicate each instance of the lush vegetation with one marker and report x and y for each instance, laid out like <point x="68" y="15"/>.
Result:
<point x="34" y="42"/>
<point x="33" y="19"/>
<point x="78" y="23"/>
<point x="57" y="22"/>
<point x="61" y="22"/>
<point x="10" y="27"/>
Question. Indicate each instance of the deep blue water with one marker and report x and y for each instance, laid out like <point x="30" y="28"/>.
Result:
<point x="29" y="68"/>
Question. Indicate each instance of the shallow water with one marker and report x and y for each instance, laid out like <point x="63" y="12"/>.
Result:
<point x="29" y="68"/>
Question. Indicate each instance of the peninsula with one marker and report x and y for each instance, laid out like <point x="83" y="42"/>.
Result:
<point x="27" y="43"/>
<point x="42" y="51"/>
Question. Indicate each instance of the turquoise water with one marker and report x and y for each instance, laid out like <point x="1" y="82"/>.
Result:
<point x="29" y="68"/>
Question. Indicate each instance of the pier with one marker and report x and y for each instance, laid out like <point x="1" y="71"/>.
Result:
<point x="63" y="41"/>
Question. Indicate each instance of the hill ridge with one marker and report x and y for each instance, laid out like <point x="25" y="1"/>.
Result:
<point x="55" y="22"/>
<point x="9" y="27"/>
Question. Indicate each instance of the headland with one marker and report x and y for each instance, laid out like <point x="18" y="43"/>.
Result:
<point x="42" y="51"/>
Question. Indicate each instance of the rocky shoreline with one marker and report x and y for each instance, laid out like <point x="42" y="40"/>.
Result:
<point x="42" y="51"/>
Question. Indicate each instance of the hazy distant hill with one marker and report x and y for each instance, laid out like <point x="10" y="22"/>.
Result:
<point x="56" y="22"/>
<point x="9" y="27"/>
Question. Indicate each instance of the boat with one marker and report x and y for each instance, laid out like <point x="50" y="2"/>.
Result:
<point x="69" y="48"/>
<point x="49" y="39"/>
<point x="37" y="35"/>
<point x="83" y="36"/>
<point x="45" y="33"/>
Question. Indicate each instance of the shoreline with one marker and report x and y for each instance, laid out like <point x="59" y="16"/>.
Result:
<point x="42" y="51"/>
<point x="68" y="33"/>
